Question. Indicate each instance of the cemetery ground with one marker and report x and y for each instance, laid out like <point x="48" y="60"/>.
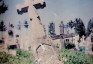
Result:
<point x="75" y="57"/>
<point x="67" y="56"/>
<point x="22" y="57"/>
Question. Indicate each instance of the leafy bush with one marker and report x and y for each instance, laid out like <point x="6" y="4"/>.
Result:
<point x="23" y="54"/>
<point x="3" y="57"/>
<point x="8" y="59"/>
<point x="82" y="49"/>
<point x="69" y="45"/>
<point x="22" y="57"/>
<point x="73" y="57"/>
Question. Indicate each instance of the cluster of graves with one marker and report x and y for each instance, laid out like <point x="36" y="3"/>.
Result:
<point x="32" y="37"/>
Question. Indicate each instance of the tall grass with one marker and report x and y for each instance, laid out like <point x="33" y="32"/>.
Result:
<point x="73" y="57"/>
<point x="22" y="57"/>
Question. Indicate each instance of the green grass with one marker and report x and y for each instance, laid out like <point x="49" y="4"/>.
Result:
<point x="73" y="57"/>
<point x="22" y="57"/>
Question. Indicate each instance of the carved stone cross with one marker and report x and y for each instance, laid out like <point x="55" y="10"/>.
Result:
<point x="36" y="29"/>
<point x="30" y="7"/>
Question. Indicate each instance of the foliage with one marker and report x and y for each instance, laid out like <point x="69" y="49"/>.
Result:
<point x="3" y="57"/>
<point x="26" y="56"/>
<point x="3" y="7"/>
<point x="7" y="59"/>
<point x="52" y="29"/>
<point x="80" y="27"/>
<point x="89" y="26"/>
<point x="74" y="57"/>
<point x="22" y="57"/>
<point x="2" y="26"/>
<point x="23" y="54"/>
<point x="82" y="49"/>
<point x="69" y="45"/>
<point x="71" y="24"/>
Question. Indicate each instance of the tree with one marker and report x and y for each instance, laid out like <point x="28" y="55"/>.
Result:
<point x="71" y="24"/>
<point x="2" y="26"/>
<point x="3" y="7"/>
<point x="89" y="26"/>
<point x="2" y="29"/>
<point x="80" y="27"/>
<point x="52" y="29"/>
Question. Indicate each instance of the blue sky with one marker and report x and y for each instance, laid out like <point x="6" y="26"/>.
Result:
<point x="56" y="11"/>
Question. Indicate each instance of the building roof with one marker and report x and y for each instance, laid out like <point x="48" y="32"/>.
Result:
<point x="62" y="36"/>
<point x="68" y="35"/>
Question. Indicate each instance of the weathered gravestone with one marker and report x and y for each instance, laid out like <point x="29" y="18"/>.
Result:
<point x="43" y="52"/>
<point x="35" y="26"/>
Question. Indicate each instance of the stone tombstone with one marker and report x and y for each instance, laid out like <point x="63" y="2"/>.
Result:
<point x="39" y="48"/>
<point x="36" y="28"/>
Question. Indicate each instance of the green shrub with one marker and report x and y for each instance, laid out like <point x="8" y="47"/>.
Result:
<point x="74" y="57"/>
<point x="3" y="57"/>
<point x="8" y="59"/>
<point x="69" y="45"/>
<point x="21" y="53"/>
<point x="82" y="49"/>
<point x="22" y="57"/>
<point x="25" y="55"/>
